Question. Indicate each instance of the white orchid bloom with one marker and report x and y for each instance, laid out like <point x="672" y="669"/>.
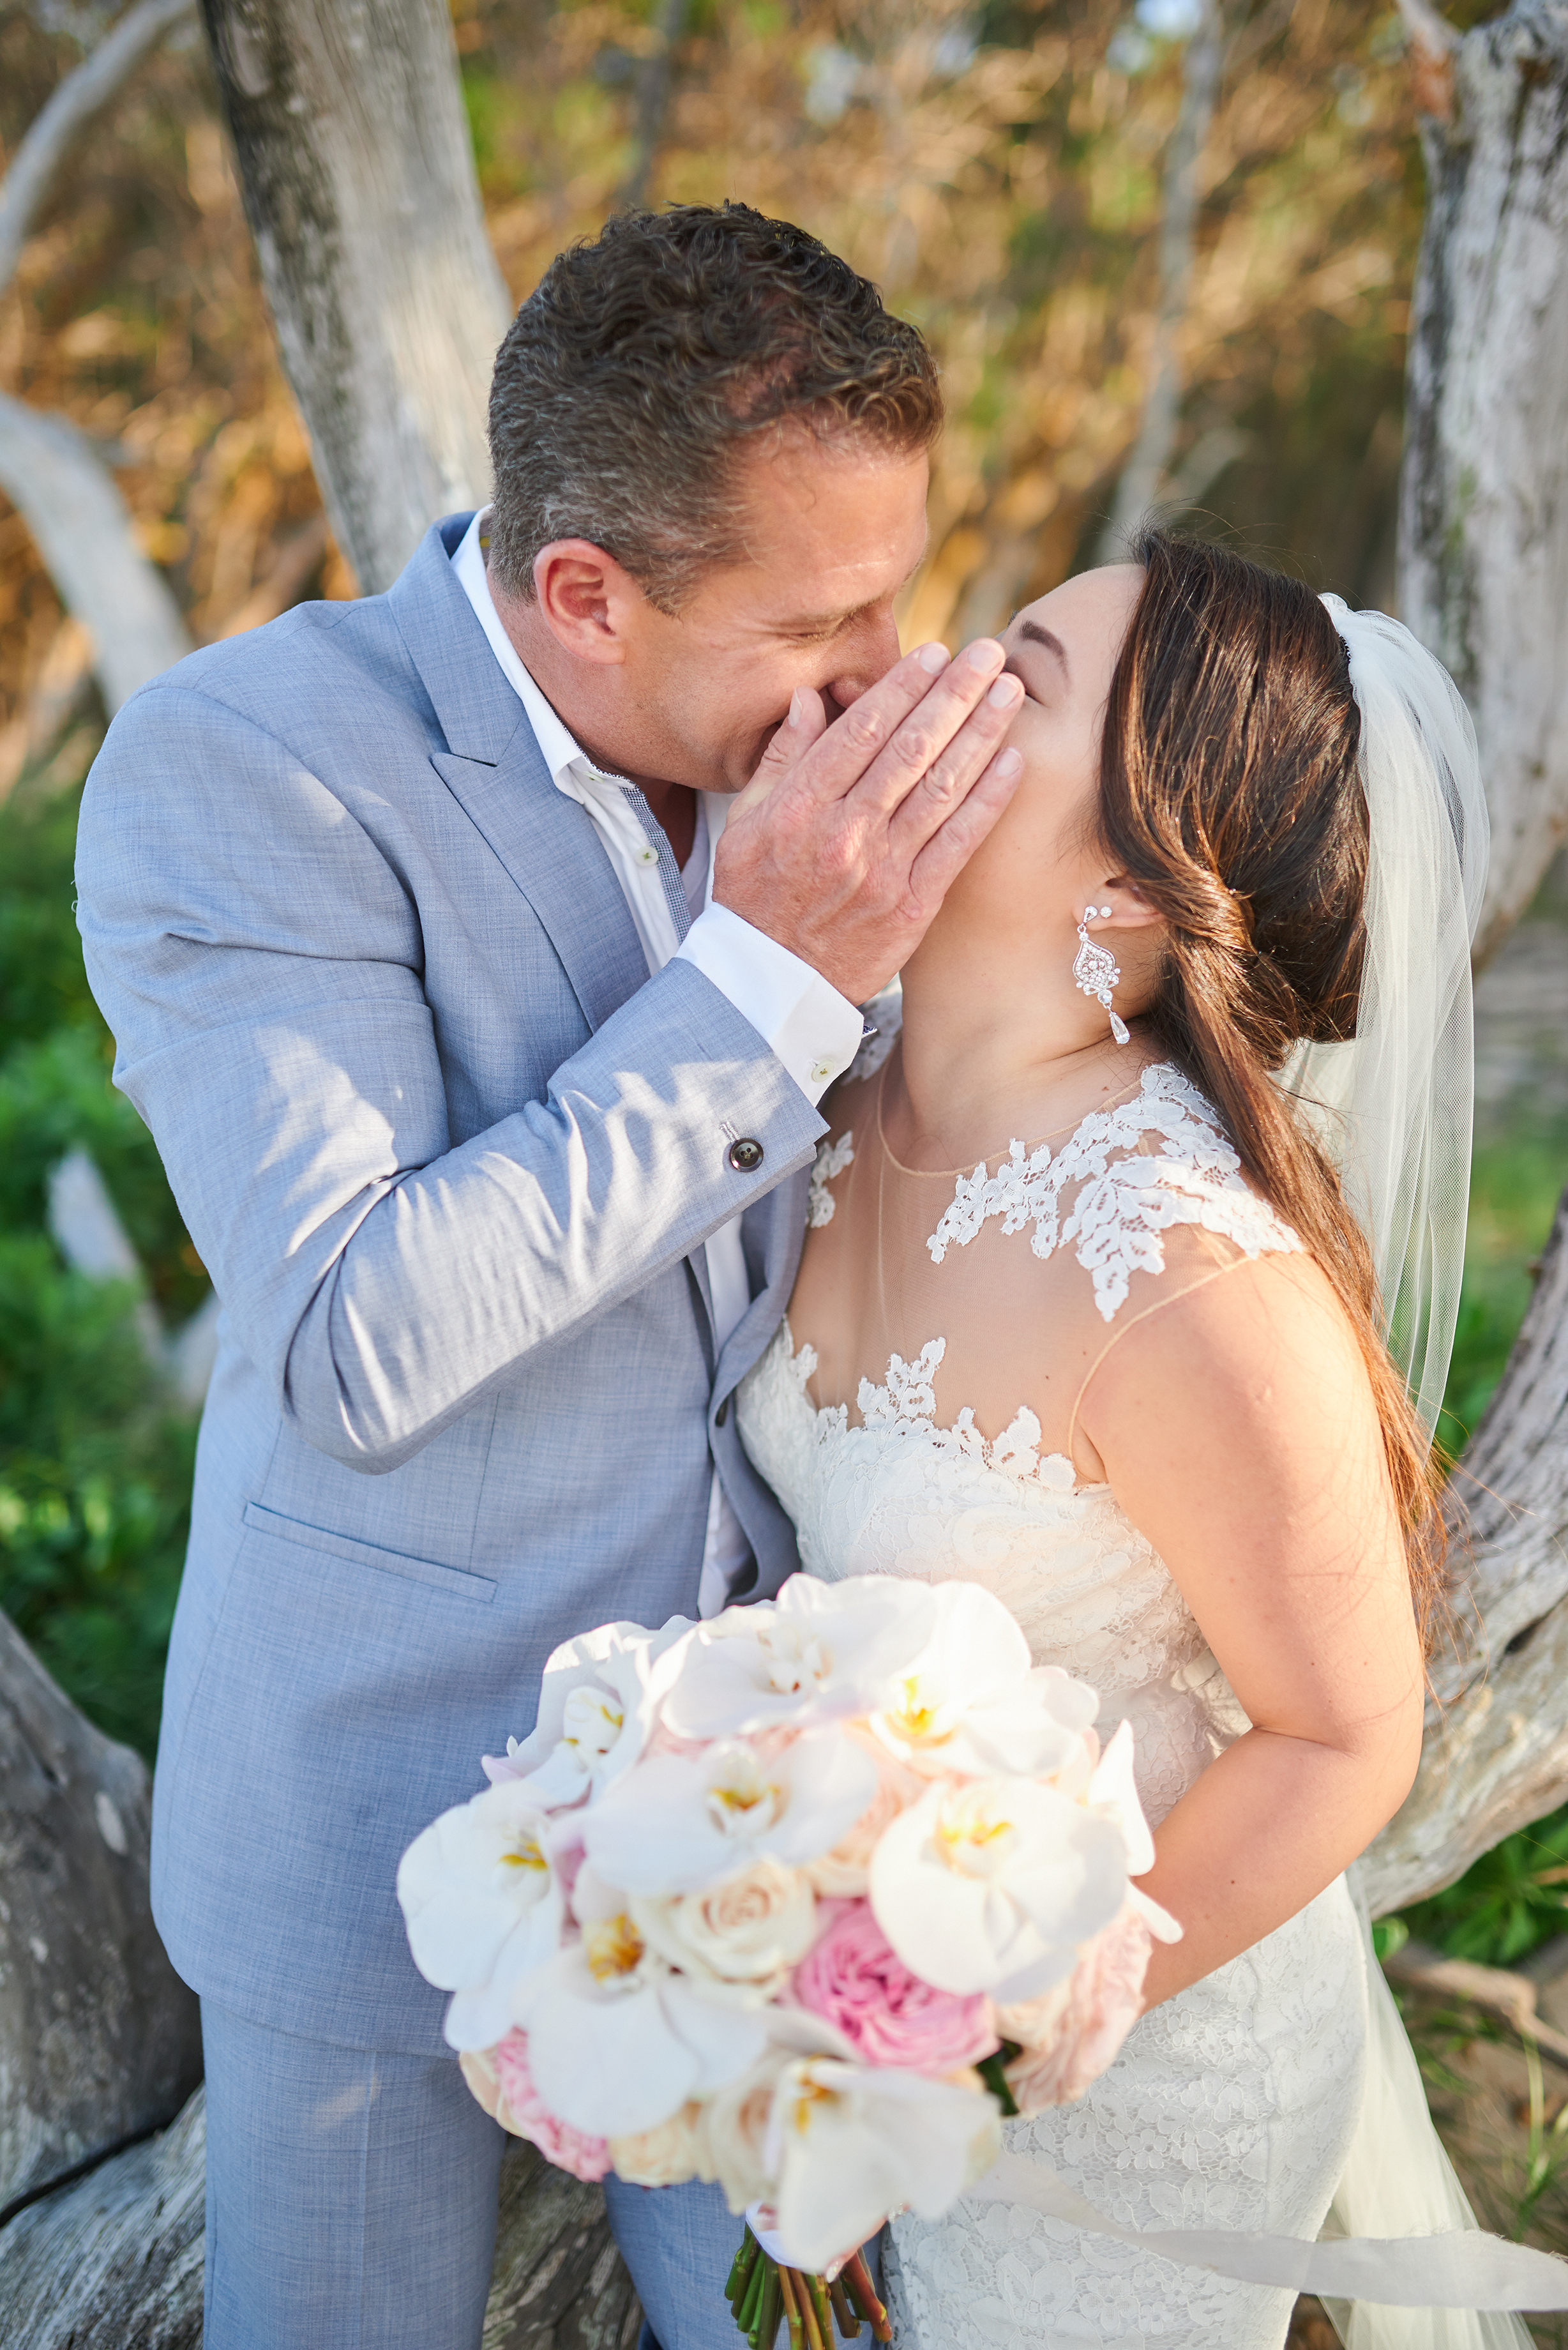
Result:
<point x="820" y="1652"/>
<point x="482" y="1905"/>
<point x="993" y="1885"/>
<point x="598" y="1701"/>
<point x="681" y="1822"/>
<point x="616" y="2043"/>
<point x="1113" y="1792"/>
<point x="846" y="2144"/>
<point x="972" y="1704"/>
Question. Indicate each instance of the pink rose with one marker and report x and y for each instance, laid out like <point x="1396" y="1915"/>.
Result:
<point x="853" y="1977"/>
<point x="1073" y="2034"/>
<point x="520" y="2109"/>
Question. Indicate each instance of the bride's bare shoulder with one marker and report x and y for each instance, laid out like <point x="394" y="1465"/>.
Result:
<point x="1256" y="1358"/>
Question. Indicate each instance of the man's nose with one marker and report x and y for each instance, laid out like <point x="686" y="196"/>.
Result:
<point x="867" y="653"/>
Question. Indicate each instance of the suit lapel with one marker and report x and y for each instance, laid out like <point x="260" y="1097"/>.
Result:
<point x="548" y="845"/>
<point x="494" y="769"/>
<point x="775" y="1228"/>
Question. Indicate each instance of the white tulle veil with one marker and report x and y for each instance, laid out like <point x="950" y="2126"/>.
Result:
<point x="1395" y="1105"/>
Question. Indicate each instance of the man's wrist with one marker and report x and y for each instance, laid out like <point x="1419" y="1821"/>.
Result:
<point x="813" y="1030"/>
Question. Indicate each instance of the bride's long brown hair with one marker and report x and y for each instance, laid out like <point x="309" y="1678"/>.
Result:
<point x="1230" y="793"/>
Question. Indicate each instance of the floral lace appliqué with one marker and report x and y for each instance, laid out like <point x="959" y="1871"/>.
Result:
<point x="832" y="1159"/>
<point x="1127" y="1199"/>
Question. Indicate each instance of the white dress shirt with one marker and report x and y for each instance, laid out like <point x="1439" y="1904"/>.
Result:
<point x="813" y="1030"/>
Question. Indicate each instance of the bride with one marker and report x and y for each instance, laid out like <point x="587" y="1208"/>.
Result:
<point x="1128" y="1291"/>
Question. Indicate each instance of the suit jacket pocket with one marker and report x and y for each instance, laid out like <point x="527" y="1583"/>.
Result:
<point x="454" y="1579"/>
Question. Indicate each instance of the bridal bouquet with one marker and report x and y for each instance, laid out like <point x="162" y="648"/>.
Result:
<point x="801" y="1900"/>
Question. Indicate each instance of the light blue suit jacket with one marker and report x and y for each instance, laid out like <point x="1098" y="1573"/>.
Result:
<point x="450" y="1156"/>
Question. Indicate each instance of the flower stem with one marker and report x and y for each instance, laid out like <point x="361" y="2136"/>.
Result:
<point x="809" y="2314"/>
<point x="750" y="2252"/>
<point x="849" y="2324"/>
<point x="765" y="2332"/>
<point x="858" y="2276"/>
<point x="751" y="2299"/>
<point x="818" y="2292"/>
<point x="791" y="2310"/>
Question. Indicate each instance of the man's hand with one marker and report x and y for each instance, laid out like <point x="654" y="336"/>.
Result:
<point x="843" y="845"/>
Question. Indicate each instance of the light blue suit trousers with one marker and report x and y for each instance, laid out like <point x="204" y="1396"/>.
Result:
<point x="351" y="2205"/>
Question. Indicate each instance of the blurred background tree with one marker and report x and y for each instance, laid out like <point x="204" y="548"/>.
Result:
<point x="1006" y="172"/>
<point x="999" y="171"/>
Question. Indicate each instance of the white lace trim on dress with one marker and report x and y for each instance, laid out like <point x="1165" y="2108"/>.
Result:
<point x="831" y="1159"/>
<point x="1125" y="1205"/>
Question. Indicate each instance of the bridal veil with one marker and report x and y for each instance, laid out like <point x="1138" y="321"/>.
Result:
<point x="1394" y="1107"/>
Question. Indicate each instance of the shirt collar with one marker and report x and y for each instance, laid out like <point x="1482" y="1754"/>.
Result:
<point x="556" y="742"/>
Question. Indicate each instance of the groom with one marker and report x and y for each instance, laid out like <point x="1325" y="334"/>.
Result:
<point x="484" y="1061"/>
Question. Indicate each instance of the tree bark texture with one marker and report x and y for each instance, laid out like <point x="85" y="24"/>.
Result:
<point x="1496" y="1749"/>
<point x="1484" y="506"/>
<point x="114" y="2262"/>
<point x="98" y="2037"/>
<point x="357" y="174"/>
<point x="1484" y="581"/>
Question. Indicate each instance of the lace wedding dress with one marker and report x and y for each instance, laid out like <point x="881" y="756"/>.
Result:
<point x="985" y="1300"/>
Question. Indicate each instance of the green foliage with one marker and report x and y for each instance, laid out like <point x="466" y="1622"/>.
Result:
<point x="1507" y="1903"/>
<point x="95" y="1476"/>
<point x="95" y="1460"/>
<point x="1515" y="1184"/>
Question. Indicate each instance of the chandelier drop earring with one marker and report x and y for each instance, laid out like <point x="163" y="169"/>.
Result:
<point x="1097" y="970"/>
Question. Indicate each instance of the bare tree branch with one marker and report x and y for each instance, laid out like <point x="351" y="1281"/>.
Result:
<point x="1427" y="28"/>
<point x="654" y="77"/>
<point x="88" y="86"/>
<point x="1149" y="462"/>
<point x="55" y="478"/>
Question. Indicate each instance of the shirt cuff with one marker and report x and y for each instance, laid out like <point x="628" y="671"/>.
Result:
<point x="813" y="1030"/>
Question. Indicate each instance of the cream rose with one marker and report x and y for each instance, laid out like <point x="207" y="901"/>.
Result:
<point x="737" y="2130"/>
<point x="666" y="2156"/>
<point x="746" y="1932"/>
<point x="845" y="1872"/>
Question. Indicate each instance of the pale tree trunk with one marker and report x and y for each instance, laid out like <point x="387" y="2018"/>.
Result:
<point x="1484" y="510"/>
<point x="58" y="480"/>
<point x="358" y="181"/>
<point x="1484" y="580"/>
<point x="69" y="498"/>
<point x="1144" y="477"/>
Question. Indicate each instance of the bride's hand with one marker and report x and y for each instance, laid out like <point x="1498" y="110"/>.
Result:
<point x="843" y="845"/>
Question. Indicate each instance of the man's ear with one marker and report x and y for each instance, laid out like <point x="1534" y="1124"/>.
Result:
<point x="585" y="600"/>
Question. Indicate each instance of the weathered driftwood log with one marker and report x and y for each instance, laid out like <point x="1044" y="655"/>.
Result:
<point x="114" y="2263"/>
<point x="98" y="2037"/>
<point x="559" y="2282"/>
<point x="358" y="182"/>
<point x="1484" y="581"/>
<point x="1484" y="491"/>
<point x="1496" y="1752"/>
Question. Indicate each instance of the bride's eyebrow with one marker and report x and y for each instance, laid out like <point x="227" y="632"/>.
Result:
<point x="1033" y="634"/>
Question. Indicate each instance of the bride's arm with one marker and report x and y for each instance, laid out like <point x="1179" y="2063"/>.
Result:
<point x="1237" y="1428"/>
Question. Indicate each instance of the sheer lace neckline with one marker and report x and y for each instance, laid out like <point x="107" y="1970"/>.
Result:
<point x="906" y="1405"/>
<point x="950" y="1174"/>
